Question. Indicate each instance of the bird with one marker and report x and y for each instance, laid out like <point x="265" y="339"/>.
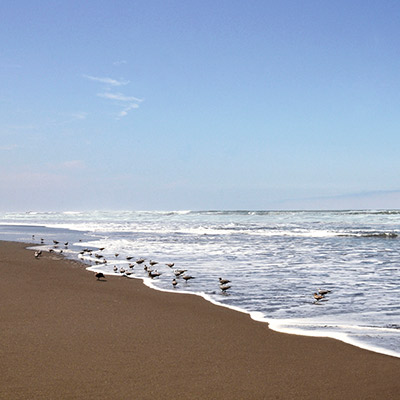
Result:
<point x="55" y="242"/>
<point x="318" y="296"/>
<point x="170" y="264"/>
<point x="153" y="274"/>
<point x="129" y="258"/>
<point x="174" y="282"/>
<point x="116" y="254"/>
<point x="140" y="261"/>
<point x="99" y="275"/>
<point x="115" y="268"/>
<point x="179" y="272"/>
<point x="66" y="243"/>
<point x="38" y="253"/>
<point x="101" y="248"/>
<point x="323" y="292"/>
<point x="187" y="277"/>
<point x="223" y="281"/>
<point x="153" y="263"/>
<point x="224" y="288"/>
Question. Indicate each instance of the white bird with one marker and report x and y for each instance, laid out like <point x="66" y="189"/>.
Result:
<point x="224" y="288"/>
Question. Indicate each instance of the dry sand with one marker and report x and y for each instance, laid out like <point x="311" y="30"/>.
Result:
<point x="65" y="335"/>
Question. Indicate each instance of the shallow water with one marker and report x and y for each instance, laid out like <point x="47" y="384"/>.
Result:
<point x="274" y="260"/>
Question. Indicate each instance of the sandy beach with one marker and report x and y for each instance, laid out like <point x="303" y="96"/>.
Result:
<point x="65" y="335"/>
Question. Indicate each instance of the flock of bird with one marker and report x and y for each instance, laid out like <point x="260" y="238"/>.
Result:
<point x="127" y="271"/>
<point x="224" y="284"/>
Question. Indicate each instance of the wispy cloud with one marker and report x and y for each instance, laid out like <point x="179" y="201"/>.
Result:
<point x="127" y="103"/>
<point x="107" y="81"/>
<point x="118" y="97"/>
<point x="125" y="111"/>
<point x="118" y="63"/>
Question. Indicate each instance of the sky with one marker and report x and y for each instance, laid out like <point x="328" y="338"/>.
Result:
<point x="198" y="105"/>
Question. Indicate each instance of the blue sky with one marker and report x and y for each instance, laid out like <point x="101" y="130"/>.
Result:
<point x="199" y="104"/>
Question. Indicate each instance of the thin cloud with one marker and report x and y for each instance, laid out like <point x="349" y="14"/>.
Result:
<point x="119" y="97"/>
<point x="107" y="81"/>
<point x="125" y="111"/>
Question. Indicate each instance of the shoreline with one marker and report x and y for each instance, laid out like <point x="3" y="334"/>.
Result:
<point x="67" y="335"/>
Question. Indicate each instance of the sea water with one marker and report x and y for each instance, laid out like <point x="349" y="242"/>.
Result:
<point x="275" y="261"/>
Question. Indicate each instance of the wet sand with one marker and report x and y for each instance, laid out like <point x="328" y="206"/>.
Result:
<point x="65" y="335"/>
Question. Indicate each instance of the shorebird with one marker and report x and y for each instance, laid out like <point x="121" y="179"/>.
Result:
<point x="140" y="261"/>
<point x="122" y="270"/>
<point x="99" y="275"/>
<point x="55" y="242"/>
<point x="38" y="253"/>
<point x="318" y="296"/>
<point x="115" y="268"/>
<point x="187" y="277"/>
<point x="116" y="254"/>
<point x="174" y="282"/>
<point x="101" y="248"/>
<point x="323" y="292"/>
<point x="129" y="258"/>
<point x="223" y="281"/>
<point x="224" y="288"/>
<point x="153" y="263"/>
<point x="179" y="272"/>
<point x="66" y="243"/>
<point x="170" y="264"/>
<point x="153" y="274"/>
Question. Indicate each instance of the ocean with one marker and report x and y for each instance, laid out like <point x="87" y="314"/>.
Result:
<point x="275" y="260"/>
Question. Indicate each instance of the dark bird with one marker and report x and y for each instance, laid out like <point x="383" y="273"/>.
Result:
<point x="187" y="277"/>
<point x="55" y="242"/>
<point x="115" y="268"/>
<point x="170" y="265"/>
<point x="38" y="253"/>
<point x="116" y="254"/>
<point x="129" y="258"/>
<point x="223" y="281"/>
<point x="140" y="261"/>
<point x="153" y="263"/>
<point x="99" y="275"/>
<point x="323" y="292"/>
<point x="174" y="282"/>
<point x="101" y="248"/>
<point x="66" y="243"/>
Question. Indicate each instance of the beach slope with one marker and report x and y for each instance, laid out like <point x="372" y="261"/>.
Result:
<point x="66" y="335"/>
